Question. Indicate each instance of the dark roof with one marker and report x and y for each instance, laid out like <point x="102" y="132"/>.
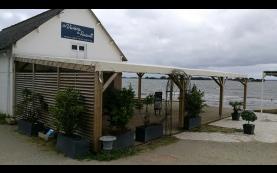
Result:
<point x="11" y="34"/>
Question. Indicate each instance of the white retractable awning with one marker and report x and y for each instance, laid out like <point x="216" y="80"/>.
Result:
<point x="106" y="66"/>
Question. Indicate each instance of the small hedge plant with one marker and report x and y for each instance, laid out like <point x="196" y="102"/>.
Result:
<point x="236" y="106"/>
<point x="67" y="111"/>
<point x="149" y="100"/>
<point x="120" y="105"/>
<point x="31" y="106"/>
<point x="195" y="102"/>
<point x="248" y="116"/>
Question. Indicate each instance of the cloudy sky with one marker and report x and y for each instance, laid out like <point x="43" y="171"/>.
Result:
<point x="243" y="41"/>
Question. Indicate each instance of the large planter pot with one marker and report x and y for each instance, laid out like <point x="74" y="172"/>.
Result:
<point x="72" y="147"/>
<point x="235" y="116"/>
<point x="150" y="132"/>
<point x="192" y="122"/>
<point x="248" y="129"/>
<point x="29" y="128"/>
<point x="124" y="140"/>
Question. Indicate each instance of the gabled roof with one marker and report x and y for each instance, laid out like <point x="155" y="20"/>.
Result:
<point x="10" y="35"/>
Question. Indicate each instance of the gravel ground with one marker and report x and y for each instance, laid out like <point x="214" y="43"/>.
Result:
<point x="19" y="149"/>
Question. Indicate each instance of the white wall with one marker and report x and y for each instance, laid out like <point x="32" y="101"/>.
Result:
<point x="6" y="84"/>
<point x="47" y="41"/>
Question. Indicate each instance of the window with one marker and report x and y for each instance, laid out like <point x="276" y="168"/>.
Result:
<point x="74" y="47"/>
<point x="81" y="48"/>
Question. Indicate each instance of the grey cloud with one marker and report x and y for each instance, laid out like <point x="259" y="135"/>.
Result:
<point x="218" y="39"/>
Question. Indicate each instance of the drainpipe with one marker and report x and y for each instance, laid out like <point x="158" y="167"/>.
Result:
<point x="8" y="85"/>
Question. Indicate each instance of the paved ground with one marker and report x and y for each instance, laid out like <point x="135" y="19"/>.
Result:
<point x="265" y="131"/>
<point x="19" y="149"/>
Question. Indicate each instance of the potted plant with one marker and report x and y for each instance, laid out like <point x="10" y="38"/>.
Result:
<point x="236" y="108"/>
<point x="194" y="104"/>
<point x="148" y="131"/>
<point x="30" y="108"/>
<point x="67" y="111"/>
<point x="120" y="104"/>
<point x="248" y="116"/>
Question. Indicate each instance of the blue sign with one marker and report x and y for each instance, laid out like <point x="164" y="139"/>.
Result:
<point x="76" y="32"/>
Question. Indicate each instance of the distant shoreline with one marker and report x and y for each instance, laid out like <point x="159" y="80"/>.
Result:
<point x="196" y="78"/>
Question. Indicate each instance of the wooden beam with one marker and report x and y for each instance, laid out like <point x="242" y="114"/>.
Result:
<point x="216" y="81"/>
<point x="109" y="81"/>
<point x="118" y="81"/>
<point x="139" y="85"/>
<point x="23" y="67"/>
<point x="97" y="123"/>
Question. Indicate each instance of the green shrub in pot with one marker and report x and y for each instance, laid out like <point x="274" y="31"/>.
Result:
<point x="248" y="116"/>
<point x="68" y="108"/>
<point x="67" y="111"/>
<point x="120" y="105"/>
<point x="194" y="105"/>
<point x="30" y="108"/>
<point x="236" y="109"/>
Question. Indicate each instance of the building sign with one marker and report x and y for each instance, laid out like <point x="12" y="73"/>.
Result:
<point x="76" y="32"/>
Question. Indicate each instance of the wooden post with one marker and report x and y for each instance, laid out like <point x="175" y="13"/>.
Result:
<point x="244" y="83"/>
<point x="139" y="85"/>
<point x="179" y="80"/>
<point x="182" y="102"/>
<point x="221" y="97"/>
<point x="245" y="94"/>
<point x="97" y="123"/>
<point x="220" y="82"/>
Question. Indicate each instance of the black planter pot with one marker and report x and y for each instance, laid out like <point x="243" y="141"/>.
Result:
<point x="72" y="147"/>
<point x="248" y="129"/>
<point x="29" y="128"/>
<point x="124" y="140"/>
<point x="235" y="116"/>
<point x="150" y="132"/>
<point x="192" y="122"/>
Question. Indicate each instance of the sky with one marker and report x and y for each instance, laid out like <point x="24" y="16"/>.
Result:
<point x="241" y="41"/>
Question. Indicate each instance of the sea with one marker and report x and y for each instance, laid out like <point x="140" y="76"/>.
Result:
<point x="233" y="91"/>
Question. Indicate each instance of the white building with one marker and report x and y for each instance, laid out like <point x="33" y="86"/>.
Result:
<point x="41" y="36"/>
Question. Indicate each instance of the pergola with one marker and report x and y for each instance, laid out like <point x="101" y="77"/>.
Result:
<point x="264" y="74"/>
<point x="180" y="76"/>
<point x="176" y="74"/>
